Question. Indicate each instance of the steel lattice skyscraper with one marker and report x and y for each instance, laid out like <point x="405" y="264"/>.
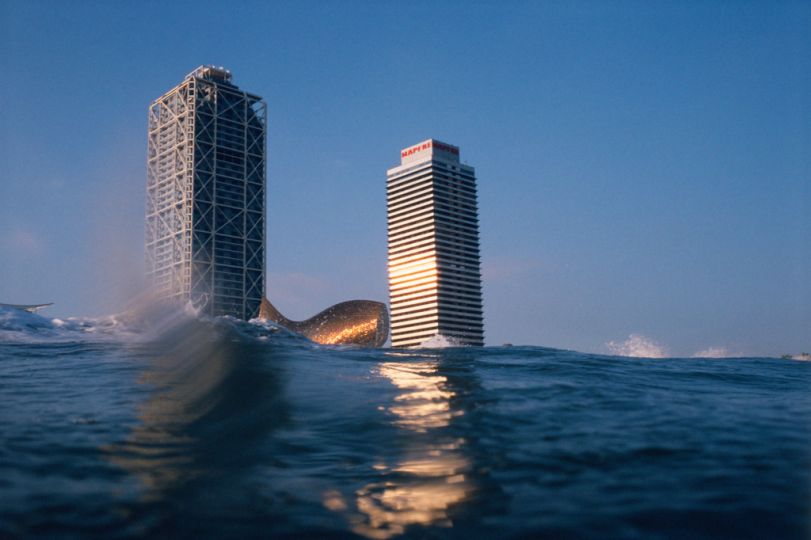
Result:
<point x="205" y="212"/>
<point x="433" y="238"/>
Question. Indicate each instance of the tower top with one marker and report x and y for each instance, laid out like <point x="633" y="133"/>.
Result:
<point x="212" y="73"/>
<point x="429" y="149"/>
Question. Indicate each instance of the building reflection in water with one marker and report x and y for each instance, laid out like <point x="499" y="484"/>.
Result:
<point x="421" y="488"/>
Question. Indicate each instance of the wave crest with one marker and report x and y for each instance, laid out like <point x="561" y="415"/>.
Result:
<point x="137" y="324"/>
<point x="715" y="352"/>
<point x="637" y="346"/>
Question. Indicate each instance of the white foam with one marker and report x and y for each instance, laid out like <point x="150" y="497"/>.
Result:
<point x="439" y="341"/>
<point x="637" y="346"/>
<point x="136" y="324"/>
<point x="17" y="325"/>
<point x="191" y="310"/>
<point x="715" y="352"/>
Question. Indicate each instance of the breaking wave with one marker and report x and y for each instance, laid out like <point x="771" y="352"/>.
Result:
<point x="715" y="352"/>
<point x="637" y="346"/>
<point x="17" y="325"/>
<point x="137" y="324"/>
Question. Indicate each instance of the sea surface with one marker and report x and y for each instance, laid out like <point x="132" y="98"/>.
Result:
<point x="186" y="427"/>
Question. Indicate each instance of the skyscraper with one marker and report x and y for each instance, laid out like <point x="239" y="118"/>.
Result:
<point x="205" y="211"/>
<point x="433" y="237"/>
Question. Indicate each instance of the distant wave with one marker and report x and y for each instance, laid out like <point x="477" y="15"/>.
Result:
<point x="638" y="346"/>
<point x="21" y="326"/>
<point x="18" y="326"/>
<point x="715" y="352"/>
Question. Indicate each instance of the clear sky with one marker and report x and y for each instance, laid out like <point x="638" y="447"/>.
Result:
<point x="644" y="168"/>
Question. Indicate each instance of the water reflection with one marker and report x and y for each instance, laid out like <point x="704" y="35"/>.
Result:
<point x="214" y="401"/>
<point x="432" y="477"/>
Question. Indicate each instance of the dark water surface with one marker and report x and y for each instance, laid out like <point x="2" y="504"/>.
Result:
<point x="227" y="430"/>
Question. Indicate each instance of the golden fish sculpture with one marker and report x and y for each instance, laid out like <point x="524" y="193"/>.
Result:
<point x="356" y="322"/>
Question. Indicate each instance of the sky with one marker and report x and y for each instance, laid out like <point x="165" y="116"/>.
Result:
<point x="644" y="168"/>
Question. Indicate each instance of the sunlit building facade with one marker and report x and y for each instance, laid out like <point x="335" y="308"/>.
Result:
<point x="433" y="244"/>
<point x="205" y="211"/>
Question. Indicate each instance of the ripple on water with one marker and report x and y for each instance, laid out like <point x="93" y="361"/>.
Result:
<point x="211" y="429"/>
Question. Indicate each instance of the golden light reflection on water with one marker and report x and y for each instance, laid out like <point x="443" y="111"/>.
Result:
<point x="425" y="401"/>
<point x="420" y="488"/>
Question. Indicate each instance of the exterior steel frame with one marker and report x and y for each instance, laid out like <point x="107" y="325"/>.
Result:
<point x="206" y="182"/>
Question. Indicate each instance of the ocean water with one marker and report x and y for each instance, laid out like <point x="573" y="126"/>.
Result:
<point x="186" y="427"/>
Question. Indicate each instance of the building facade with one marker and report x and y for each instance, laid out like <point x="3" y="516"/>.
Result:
<point x="205" y="210"/>
<point x="433" y="244"/>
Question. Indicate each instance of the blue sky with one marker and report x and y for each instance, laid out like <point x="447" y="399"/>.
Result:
<point x="643" y="167"/>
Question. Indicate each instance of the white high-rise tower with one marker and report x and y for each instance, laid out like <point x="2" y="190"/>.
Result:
<point x="433" y="238"/>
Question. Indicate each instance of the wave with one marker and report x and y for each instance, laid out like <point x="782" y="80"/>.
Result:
<point x="135" y="324"/>
<point x="637" y="346"/>
<point x="144" y="324"/>
<point x="715" y="352"/>
<point x="17" y="325"/>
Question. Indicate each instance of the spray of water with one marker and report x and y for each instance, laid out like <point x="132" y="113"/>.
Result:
<point x="638" y="346"/>
<point x="439" y="341"/>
